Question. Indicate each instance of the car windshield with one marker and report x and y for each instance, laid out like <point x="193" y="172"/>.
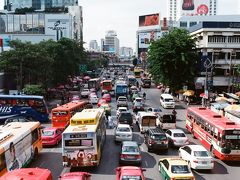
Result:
<point x="179" y="135"/>
<point x="47" y="133"/>
<point x="130" y="149"/>
<point x="169" y="100"/>
<point x="129" y="177"/>
<point x="123" y="129"/>
<point x="179" y="169"/>
<point x="200" y="153"/>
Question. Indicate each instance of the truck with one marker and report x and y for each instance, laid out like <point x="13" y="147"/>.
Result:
<point x="121" y="89"/>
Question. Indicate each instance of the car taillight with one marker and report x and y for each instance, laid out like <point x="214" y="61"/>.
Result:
<point x="123" y="155"/>
<point x="151" y="141"/>
<point x="165" y="142"/>
<point x="195" y="161"/>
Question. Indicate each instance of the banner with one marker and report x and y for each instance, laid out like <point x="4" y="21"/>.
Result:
<point x="149" y="20"/>
<point x="195" y="7"/>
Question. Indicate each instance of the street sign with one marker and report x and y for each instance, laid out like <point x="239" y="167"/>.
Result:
<point x="83" y="68"/>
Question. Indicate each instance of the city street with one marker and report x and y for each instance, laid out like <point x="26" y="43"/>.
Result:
<point x="51" y="158"/>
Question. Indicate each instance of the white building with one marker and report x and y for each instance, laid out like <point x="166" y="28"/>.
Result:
<point x="111" y="43"/>
<point x="219" y="44"/>
<point x="126" y="52"/>
<point x="179" y="8"/>
<point x="93" y="46"/>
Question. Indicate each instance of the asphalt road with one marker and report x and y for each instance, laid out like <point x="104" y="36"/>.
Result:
<point x="51" y="158"/>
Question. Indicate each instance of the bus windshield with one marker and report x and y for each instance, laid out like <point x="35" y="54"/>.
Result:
<point x="59" y="113"/>
<point x="231" y="139"/>
<point x="79" y="142"/>
<point x="107" y="84"/>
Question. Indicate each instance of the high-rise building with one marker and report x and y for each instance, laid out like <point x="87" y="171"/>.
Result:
<point x="126" y="52"/>
<point x="179" y="8"/>
<point x="11" y="5"/>
<point x="93" y="45"/>
<point x="111" y="43"/>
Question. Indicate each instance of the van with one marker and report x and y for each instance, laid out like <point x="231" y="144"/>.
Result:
<point x="145" y="120"/>
<point x="167" y="101"/>
<point x="166" y="121"/>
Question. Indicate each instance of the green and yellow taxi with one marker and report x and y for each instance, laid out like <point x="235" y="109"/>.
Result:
<point x="174" y="169"/>
<point x="107" y="108"/>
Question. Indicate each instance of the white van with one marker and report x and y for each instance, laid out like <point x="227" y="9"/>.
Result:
<point x="146" y="120"/>
<point x="167" y="101"/>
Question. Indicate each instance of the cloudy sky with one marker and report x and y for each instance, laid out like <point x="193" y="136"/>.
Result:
<point x="122" y="16"/>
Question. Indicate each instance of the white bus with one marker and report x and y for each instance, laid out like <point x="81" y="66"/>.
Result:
<point x="20" y="142"/>
<point x="83" y="139"/>
<point x="146" y="120"/>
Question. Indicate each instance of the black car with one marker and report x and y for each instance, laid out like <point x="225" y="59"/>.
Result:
<point x="156" y="139"/>
<point x="125" y="118"/>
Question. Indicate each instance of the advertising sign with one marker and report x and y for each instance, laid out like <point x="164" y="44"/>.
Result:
<point x="194" y="7"/>
<point x="144" y="39"/>
<point x="149" y="20"/>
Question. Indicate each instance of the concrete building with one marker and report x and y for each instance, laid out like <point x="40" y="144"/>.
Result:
<point x="11" y="5"/>
<point x="111" y="43"/>
<point x="219" y="48"/>
<point x="126" y="52"/>
<point x="177" y="8"/>
<point x="93" y="46"/>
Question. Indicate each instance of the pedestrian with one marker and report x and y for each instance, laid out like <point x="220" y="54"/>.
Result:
<point x="174" y="112"/>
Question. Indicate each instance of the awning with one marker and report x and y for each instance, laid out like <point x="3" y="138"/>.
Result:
<point x="189" y="93"/>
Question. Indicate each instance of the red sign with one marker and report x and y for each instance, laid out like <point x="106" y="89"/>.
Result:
<point x="1" y="42"/>
<point x="202" y="9"/>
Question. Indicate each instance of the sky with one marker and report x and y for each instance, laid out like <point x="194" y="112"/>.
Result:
<point x="122" y="16"/>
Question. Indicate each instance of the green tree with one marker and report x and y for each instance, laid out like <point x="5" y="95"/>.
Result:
<point x="173" y="58"/>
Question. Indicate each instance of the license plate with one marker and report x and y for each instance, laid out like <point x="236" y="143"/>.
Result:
<point x="130" y="157"/>
<point x="123" y="135"/>
<point x="204" y="162"/>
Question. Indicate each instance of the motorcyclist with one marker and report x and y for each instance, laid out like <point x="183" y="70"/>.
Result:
<point x="144" y="95"/>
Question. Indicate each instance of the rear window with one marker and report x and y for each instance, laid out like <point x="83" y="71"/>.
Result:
<point x="122" y="99"/>
<point x="180" y="169"/>
<point x="160" y="137"/>
<point x="179" y="135"/>
<point x="168" y="118"/>
<point x="47" y="133"/>
<point x="125" y="116"/>
<point x="123" y="129"/>
<point x="200" y="153"/>
<point x="130" y="149"/>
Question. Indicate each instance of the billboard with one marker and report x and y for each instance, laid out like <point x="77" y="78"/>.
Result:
<point x="145" y="38"/>
<point x="195" y="7"/>
<point x="149" y="20"/>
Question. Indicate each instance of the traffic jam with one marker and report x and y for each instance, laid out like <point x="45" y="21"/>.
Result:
<point x="116" y="102"/>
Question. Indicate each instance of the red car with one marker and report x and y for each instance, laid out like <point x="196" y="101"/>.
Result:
<point x="75" y="176"/>
<point x="101" y="101"/>
<point x="51" y="136"/>
<point x="107" y="97"/>
<point x="129" y="172"/>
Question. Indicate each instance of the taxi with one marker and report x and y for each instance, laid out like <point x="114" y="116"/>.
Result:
<point x="51" y="136"/>
<point x="107" y="108"/>
<point x="175" y="168"/>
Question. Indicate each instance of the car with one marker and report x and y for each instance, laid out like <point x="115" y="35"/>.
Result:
<point x="107" y="108"/>
<point x="121" y="109"/>
<point x="85" y="93"/>
<point x="104" y="92"/>
<point x="123" y="132"/>
<point x="138" y="105"/>
<point x="75" y="175"/>
<point x="100" y="102"/>
<point x="196" y="156"/>
<point x="130" y="172"/>
<point x="130" y="153"/>
<point x="176" y="137"/>
<point x="122" y="101"/>
<point x="92" y="94"/>
<point x="134" y="96"/>
<point x="75" y="98"/>
<point x="156" y="111"/>
<point x="107" y="97"/>
<point x="174" y="168"/>
<point x="156" y="139"/>
<point x="125" y="118"/>
<point x="51" y="136"/>
<point x="93" y="99"/>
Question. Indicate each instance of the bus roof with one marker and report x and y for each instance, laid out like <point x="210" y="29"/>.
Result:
<point x="15" y="131"/>
<point x="222" y="123"/>
<point x="68" y="106"/>
<point x="21" y="96"/>
<point x="80" y="128"/>
<point x="87" y="116"/>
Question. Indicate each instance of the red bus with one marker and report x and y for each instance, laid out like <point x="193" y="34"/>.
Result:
<point x="28" y="174"/>
<point x="107" y="85"/>
<point x="61" y="115"/>
<point x="218" y="134"/>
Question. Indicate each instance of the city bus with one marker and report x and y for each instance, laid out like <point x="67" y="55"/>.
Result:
<point x="61" y="115"/>
<point x="28" y="174"/>
<point x="20" y="142"/>
<point x="31" y="107"/>
<point x="94" y="83"/>
<point x="218" y="134"/>
<point x="137" y="72"/>
<point x="83" y="139"/>
<point x="131" y="80"/>
<point x="107" y="85"/>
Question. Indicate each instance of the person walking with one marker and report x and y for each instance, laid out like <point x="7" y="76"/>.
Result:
<point x="174" y="112"/>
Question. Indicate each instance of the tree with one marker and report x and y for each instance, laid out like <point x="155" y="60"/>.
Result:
<point x="173" y="58"/>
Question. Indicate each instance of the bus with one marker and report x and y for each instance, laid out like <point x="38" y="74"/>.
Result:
<point x="107" y="85"/>
<point x="132" y="81"/>
<point x="28" y="174"/>
<point x="146" y="82"/>
<point x="218" y="134"/>
<point x="61" y="115"/>
<point x="84" y="138"/>
<point x="94" y="83"/>
<point x="121" y="89"/>
<point x="137" y="72"/>
<point x="31" y="107"/>
<point x="20" y="142"/>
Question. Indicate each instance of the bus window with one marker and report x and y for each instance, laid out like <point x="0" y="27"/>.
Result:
<point x="2" y="162"/>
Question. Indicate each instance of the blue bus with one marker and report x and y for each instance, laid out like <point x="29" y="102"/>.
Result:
<point x="29" y="106"/>
<point x="121" y="89"/>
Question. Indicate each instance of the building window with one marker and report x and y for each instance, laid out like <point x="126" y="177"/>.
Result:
<point x="183" y="24"/>
<point x="192" y="24"/>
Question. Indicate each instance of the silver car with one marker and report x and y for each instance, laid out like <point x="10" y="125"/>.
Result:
<point x="123" y="132"/>
<point x="177" y="137"/>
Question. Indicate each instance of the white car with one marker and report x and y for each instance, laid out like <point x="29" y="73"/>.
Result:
<point x="93" y="99"/>
<point x="121" y="109"/>
<point x="122" y="101"/>
<point x="196" y="156"/>
<point x="85" y="92"/>
<point x="176" y="137"/>
<point x="123" y="132"/>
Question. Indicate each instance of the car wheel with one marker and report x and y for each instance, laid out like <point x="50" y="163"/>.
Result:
<point x="149" y="150"/>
